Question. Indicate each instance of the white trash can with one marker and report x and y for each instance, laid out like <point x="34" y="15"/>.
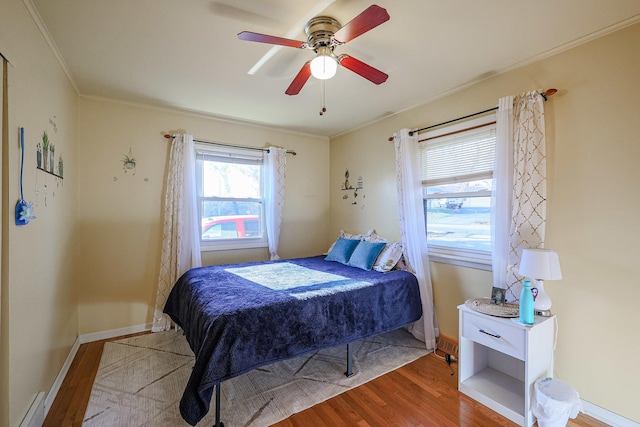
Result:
<point x="554" y="402"/>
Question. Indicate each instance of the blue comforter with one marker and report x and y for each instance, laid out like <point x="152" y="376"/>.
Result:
<point x="243" y="316"/>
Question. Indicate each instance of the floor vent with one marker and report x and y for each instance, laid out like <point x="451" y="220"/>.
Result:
<point x="447" y="345"/>
<point x="35" y="416"/>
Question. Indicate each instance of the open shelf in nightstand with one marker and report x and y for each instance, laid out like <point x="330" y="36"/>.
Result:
<point x="494" y="388"/>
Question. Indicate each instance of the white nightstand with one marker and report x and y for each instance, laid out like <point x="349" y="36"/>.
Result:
<point x="500" y="359"/>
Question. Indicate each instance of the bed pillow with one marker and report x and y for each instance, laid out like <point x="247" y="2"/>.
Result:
<point x="365" y="254"/>
<point x="346" y="235"/>
<point x="342" y="250"/>
<point x="389" y="257"/>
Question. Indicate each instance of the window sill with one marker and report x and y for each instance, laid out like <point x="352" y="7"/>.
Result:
<point x="233" y="244"/>
<point x="461" y="261"/>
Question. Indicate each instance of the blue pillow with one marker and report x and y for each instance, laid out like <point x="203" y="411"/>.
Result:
<point x="342" y="250"/>
<point x="365" y="254"/>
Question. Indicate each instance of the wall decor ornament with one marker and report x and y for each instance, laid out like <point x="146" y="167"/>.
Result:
<point x="45" y="150"/>
<point x="347" y="186"/>
<point x="39" y="155"/>
<point x="24" y="213"/>
<point x="24" y="210"/>
<point x="45" y="158"/>
<point x="129" y="162"/>
<point x="52" y="150"/>
<point x="53" y="123"/>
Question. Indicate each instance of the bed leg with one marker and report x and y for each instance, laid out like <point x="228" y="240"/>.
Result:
<point x="349" y="372"/>
<point x="218" y="422"/>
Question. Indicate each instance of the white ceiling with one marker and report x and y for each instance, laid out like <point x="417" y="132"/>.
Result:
<point x="185" y="53"/>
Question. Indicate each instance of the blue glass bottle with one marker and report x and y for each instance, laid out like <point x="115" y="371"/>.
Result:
<point x="526" y="303"/>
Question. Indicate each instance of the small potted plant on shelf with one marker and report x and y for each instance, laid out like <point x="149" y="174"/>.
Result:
<point x="45" y="150"/>
<point x="39" y="155"/>
<point x="52" y="150"/>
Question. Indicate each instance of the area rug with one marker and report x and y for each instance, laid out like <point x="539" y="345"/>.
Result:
<point x="141" y="379"/>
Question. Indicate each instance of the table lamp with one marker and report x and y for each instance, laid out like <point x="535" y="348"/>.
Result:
<point x="540" y="265"/>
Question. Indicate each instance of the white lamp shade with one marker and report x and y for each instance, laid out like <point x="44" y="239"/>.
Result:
<point x="540" y="264"/>
<point x="324" y="67"/>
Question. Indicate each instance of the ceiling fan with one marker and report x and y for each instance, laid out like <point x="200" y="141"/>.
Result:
<point x="324" y="34"/>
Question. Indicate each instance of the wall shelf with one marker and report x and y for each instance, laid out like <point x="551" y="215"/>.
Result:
<point x="50" y="173"/>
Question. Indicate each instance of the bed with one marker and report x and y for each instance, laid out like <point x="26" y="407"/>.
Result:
<point x="242" y="316"/>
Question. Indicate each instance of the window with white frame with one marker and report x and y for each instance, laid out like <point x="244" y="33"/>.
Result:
<point x="457" y="178"/>
<point x="230" y="197"/>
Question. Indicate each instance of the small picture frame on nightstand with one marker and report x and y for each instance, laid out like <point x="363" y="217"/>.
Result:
<point x="497" y="296"/>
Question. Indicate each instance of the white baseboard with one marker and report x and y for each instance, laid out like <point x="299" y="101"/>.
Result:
<point x="36" y="414"/>
<point x="606" y="416"/>
<point x="83" y="339"/>
<point x="53" y="391"/>
<point x="113" y="333"/>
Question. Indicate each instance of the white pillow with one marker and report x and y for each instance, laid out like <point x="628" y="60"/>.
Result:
<point x="375" y="237"/>
<point x="389" y="256"/>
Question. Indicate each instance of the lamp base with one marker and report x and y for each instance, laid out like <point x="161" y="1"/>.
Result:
<point x="542" y="302"/>
<point x="543" y="313"/>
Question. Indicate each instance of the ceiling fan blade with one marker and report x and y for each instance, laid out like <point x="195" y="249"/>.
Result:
<point x="303" y="75"/>
<point x="370" y="18"/>
<point x="365" y="70"/>
<point x="263" y="38"/>
<point x="318" y="7"/>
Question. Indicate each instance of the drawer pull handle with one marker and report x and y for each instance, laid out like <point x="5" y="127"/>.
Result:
<point x="489" y="333"/>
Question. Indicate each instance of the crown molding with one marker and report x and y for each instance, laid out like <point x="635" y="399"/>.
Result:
<point x="35" y="15"/>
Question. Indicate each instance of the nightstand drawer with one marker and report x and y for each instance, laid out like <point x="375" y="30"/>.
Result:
<point x="495" y="334"/>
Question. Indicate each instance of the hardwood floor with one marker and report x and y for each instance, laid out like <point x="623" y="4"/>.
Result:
<point x="71" y="401"/>
<point x="420" y="394"/>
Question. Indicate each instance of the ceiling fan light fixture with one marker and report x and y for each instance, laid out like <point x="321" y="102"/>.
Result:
<point x="324" y="66"/>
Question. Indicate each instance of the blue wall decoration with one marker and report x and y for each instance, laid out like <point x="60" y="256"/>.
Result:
<point x="24" y="210"/>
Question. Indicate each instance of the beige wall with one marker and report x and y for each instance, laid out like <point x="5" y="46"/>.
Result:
<point x="121" y="213"/>
<point x="50" y="293"/>
<point x="39" y="306"/>
<point x="593" y="201"/>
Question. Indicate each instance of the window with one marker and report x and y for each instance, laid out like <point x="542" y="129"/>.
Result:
<point x="457" y="177"/>
<point x="230" y="198"/>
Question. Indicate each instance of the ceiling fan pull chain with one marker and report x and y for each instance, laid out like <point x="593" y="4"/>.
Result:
<point x="323" y="109"/>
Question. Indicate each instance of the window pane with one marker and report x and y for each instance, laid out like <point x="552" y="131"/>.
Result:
<point x="457" y="176"/>
<point x="462" y="222"/>
<point x="230" y="199"/>
<point x="465" y="187"/>
<point x="231" y="227"/>
<point x="211" y="208"/>
<point x="223" y="179"/>
<point x="223" y="230"/>
<point x="252" y="228"/>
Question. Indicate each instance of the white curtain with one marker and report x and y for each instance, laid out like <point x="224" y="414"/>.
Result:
<point x="520" y="186"/>
<point x="181" y="231"/>
<point x="501" y="194"/>
<point x="275" y="162"/>
<point x="412" y="227"/>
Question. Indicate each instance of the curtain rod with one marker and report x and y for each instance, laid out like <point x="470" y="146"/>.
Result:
<point x="231" y="145"/>
<point x="545" y="95"/>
